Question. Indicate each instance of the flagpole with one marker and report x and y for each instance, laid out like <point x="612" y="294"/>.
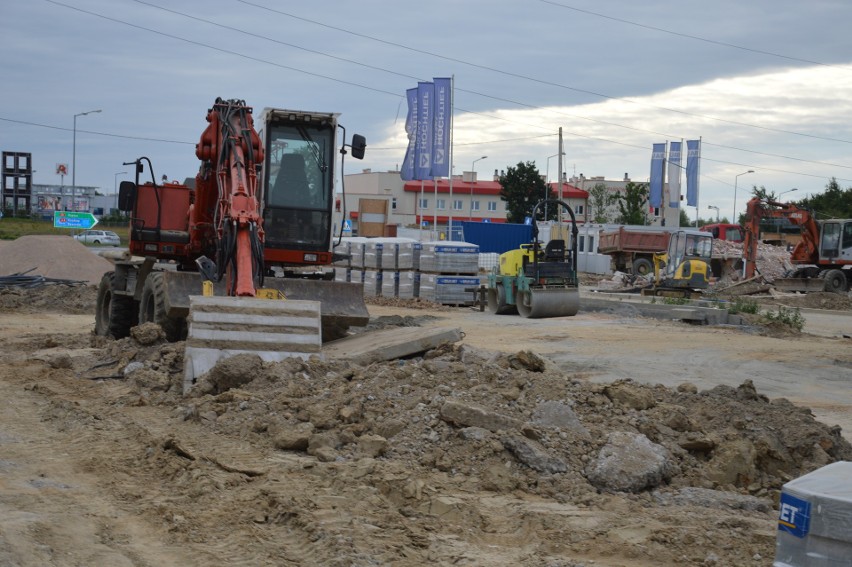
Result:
<point x="435" y="214"/>
<point x="452" y="96"/>
<point x="697" y="184"/>
<point x="420" y="209"/>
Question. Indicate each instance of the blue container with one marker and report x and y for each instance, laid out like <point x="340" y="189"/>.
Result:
<point x="497" y="237"/>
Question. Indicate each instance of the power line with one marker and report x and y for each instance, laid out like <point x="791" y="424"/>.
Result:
<point x="25" y="123"/>
<point x="536" y="80"/>
<point x="688" y="36"/>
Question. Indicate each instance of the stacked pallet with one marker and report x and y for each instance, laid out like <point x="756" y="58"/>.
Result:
<point x="448" y="271"/>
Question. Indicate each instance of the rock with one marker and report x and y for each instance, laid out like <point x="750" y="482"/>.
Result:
<point x="474" y="434"/>
<point x="526" y="360"/>
<point x="234" y="371"/>
<point x="559" y="415"/>
<point x="293" y="438"/>
<point x="372" y="446"/>
<point x="707" y="498"/>
<point x="326" y="439"/>
<point x="733" y="463"/>
<point x="533" y="455"/>
<point x="630" y="395"/>
<point x="472" y="415"/>
<point x="148" y="334"/>
<point x="630" y="462"/>
<point x="498" y="478"/>
<point x="389" y="427"/>
<point x="60" y="361"/>
<point x="687" y="388"/>
<point x="147" y="378"/>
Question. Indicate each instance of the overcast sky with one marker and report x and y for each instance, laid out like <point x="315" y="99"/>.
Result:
<point x="767" y="84"/>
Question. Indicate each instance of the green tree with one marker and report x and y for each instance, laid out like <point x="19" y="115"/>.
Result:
<point x="684" y="219"/>
<point x="833" y="203"/>
<point x="522" y="188"/>
<point x="633" y="203"/>
<point x="600" y="199"/>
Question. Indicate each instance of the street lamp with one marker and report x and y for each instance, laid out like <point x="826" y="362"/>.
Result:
<point x="472" y="181"/>
<point x="736" y="177"/>
<point x="547" y="182"/>
<point x="115" y="187"/>
<point x="74" y="157"/>
<point x="787" y="191"/>
<point x="717" y="211"/>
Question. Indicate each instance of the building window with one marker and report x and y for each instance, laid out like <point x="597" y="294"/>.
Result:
<point x="393" y="204"/>
<point x="581" y="244"/>
<point x="656" y="211"/>
<point x="424" y="204"/>
<point x="492" y="206"/>
<point x="474" y="205"/>
<point x="579" y="210"/>
<point x="591" y="243"/>
<point x="442" y="204"/>
<point x="457" y="205"/>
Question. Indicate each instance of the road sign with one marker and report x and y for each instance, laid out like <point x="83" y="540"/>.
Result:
<point x="69" y="219"/>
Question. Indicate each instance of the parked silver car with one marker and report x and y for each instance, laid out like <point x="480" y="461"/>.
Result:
<point x="103" y="237"/>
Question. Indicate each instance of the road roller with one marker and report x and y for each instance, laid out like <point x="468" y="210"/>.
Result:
<point x="538" y="282"/>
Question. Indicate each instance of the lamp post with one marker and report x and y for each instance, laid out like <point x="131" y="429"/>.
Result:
<point x="717" y="211"/>
<point x="736" y="178"/>
<point x="472" y="181"/>
<point x="787" y="191"/>
<point x="115" y="187"/>
<point x="74" y="157"/>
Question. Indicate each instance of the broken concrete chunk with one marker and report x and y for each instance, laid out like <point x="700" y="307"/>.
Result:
<point x="472" y="415"/>
<point x="630" y="462"/>
<point x="533" y="455"/>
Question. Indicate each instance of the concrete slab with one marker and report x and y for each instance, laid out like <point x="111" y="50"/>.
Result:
<point x="389" y="344"/>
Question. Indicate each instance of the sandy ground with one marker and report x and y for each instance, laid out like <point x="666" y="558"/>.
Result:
<point x="103" y="466"/>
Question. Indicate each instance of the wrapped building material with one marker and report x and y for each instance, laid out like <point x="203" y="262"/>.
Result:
<point x="373" y="250"/>
<point x="400" y="254"/>
<point x="447" y="290"/>
<point x="390" y="284"/>
<point x="449" y="258"/>
<point x="815" y="518"/>
<point x="372" y="282"/>
<point x="408" y="284"/>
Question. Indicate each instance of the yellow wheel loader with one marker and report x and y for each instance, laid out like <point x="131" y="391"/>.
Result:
<point x="684" y="269"/>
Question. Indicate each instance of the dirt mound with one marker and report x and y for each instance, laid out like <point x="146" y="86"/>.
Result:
<point x="51" y="298"/>
<point x="52" y="257"/>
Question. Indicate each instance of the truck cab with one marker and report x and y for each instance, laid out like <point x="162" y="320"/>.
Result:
<point x="723" y="231"/>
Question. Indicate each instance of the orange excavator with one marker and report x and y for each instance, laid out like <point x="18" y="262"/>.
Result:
<point x="823" y="258"/>
<point x="256" y="222"/>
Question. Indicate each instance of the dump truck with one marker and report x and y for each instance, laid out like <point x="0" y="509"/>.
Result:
<point x="257" y="221"/>
<point x="538" y="282"/>
<point x="632" y="248"/>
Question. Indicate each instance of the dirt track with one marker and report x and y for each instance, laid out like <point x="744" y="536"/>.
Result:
<point x="330" y="464"/>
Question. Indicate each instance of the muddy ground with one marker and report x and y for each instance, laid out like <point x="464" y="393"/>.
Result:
<point x="521" y="445"/>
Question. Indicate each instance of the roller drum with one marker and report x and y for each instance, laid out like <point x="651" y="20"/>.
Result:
<point x="544" y="303"/>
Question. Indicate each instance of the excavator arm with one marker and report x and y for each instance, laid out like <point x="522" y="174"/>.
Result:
<point x="226" y="196"/>
<point x="805" y="252"/>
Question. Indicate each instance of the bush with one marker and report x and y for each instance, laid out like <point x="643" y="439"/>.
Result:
<point x="790" y="317"/>
<point x="743" y="305"/>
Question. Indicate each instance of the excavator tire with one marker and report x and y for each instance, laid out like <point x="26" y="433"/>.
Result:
<point x="114" y="314"/>
<point x="835" y="281"/>
<point x="152" y="308"/>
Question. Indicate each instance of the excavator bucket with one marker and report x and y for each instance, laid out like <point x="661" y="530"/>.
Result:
<point x="273" y="329"/>
<point x="343" y="303"/>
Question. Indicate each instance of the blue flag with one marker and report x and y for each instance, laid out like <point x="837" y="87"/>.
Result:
<point x="693" y="162"/>
<point x="443" y="121"/>
<point x="658" y="159"/>
<point x="674" y="174"/>
<point x="423" y="148"/>
<point x="407" y="173"/>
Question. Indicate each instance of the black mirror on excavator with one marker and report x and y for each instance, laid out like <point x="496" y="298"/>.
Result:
<point x="359" y="146"/>
<point x="126" y="196"/>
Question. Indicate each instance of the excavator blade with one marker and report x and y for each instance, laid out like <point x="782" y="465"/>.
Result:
<point x="343" y="303"/>
<point x="540" y="303"/>
<point x="220" y="327"/>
